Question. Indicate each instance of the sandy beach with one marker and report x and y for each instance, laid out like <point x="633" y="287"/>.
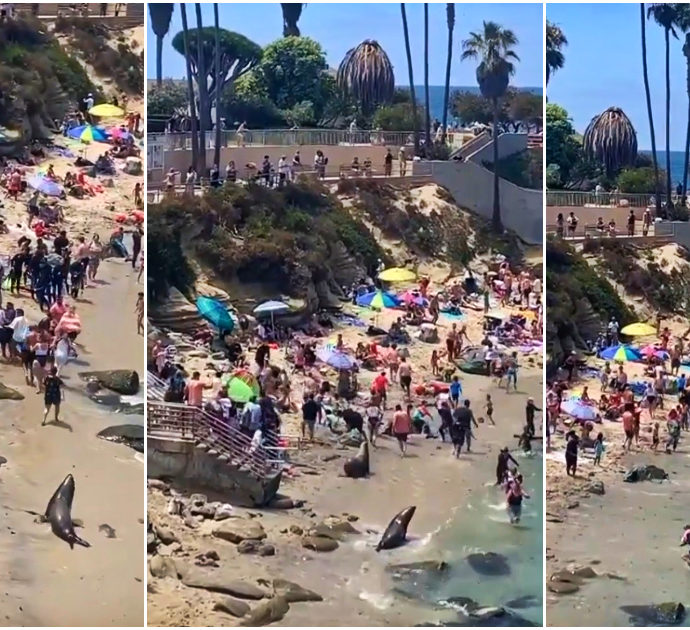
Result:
<point x="630" y="534"/>
<point x="46" y="583"/>
<point x="453" y="498"/>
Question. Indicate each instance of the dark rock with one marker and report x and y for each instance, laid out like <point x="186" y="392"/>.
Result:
<point x="668" y="613"/>
<point x="296" y="529"/>
<point x="221" y="581"/>
<point x="319" y="543"/>
<point x="562" y="588"/>
<point x="293" y="592"/>
<point x="415" y="580"/>
<point x="107" y="530"/>
<point x="125" y="382"/>
<point x="645" y="472"/>
<point x="248" y="546"/>
<point x="131" y="435"/>
<point x="489" y="563"/>
<point x="526" y="601"/>
<point x="207" y="510"/>
<point x="197" y="500"/>
<point x="596" y="487"/>
<point x="7" y="393"/>
<point x="267" y="549"/>
<point x="497" y="617"/>
<point x="285" y="503"/>
<point x="232" y="606"/>
<point x="235" y="530"/>
<point x="267" y="612"/>
<point x="151" y="542"/>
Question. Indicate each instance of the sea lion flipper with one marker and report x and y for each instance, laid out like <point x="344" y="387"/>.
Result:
<point x="78" y="541"/>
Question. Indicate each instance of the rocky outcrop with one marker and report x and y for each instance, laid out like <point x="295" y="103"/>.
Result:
<point x="665" y="614"/>
<point x="235" y="530"/>
<point x="175" y="313"/>
<point x="125" y="382"/>
<point x="7" y="393"/>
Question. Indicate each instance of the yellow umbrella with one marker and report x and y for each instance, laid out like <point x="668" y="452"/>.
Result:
<point x="638" y="329"/>
<point x="397" y="274"/>
<point x="107" y="110"/>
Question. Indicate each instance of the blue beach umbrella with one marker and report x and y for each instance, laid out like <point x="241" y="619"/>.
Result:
<point x="214" y="312"/>
<point x="378" y="299"/>
<point x="622" y="353"/>
<point x="271" y="308"/>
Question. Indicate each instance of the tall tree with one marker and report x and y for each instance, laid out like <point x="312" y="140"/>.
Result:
<point x="411" y="77"/>
<point x="684" y="24"/>
<point x="610" y="139"/>
<point x="427" y="118"/>
<point x="161" y="14"/>
<point x="555" y="40"/>
<point x="657" y="189"/>
<point x="202" y="85"/>
<point x="216" y="154"/>
<point x="493" y="48"/>
<point x="292" y="11"/>
<point x="366" y="74"/>
<point x="450" y="20"/>
<point x="190" y="87"/>
<point x="665" y="15"/>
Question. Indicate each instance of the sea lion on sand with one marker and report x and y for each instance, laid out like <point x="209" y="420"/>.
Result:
<point x="396" y="532"/>
<point x="358" y="466"/>
<point x="58" y="513"/>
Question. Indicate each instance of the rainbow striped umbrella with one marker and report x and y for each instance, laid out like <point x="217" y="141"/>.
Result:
<point x="622" y="353"/>
<point x="379" y="300"/>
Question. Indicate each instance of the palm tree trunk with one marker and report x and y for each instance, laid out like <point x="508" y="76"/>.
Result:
<point x="411" y="78"/>
<point x="496" y="217"/>
<point x="216" y="155"/>
<point x="450" y="9"/>
<point x="427" y="120"/>
<point x="204" y="113"/>
<point x="686" y="162"/>
<point x="669" y="203"/>
<point x="190" y="88"/>
<point x="657" y="188"/>
<point x="159" y="61"/>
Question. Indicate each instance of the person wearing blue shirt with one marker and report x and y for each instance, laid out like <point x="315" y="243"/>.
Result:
<point x="455" y="392"/>
<point x="682" y="382"/>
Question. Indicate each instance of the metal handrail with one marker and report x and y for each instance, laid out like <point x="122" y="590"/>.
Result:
<point x="576" y="198"/>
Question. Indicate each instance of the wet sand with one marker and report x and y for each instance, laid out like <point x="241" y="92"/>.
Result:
<point x="356" y="588"/>
<point x="45" y="583"/>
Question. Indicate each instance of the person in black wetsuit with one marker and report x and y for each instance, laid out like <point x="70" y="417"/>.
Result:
<point x="529" y="414"/>
<point x="136" y="245"/>
<point x="446" y="420"/>
<point x="504" y="459"/>
<point x="17" y="263"/>
<point x="571" y="449"/>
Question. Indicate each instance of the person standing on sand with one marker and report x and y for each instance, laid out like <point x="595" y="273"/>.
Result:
<point x="455" y="391"/>
<point x="401" y="428"/>
<point x="139" y="310"/>
<point x="446" y="416"/>
<point x="393" y="362"/>
<point x="52" y="386"/>
<point x="629" y="429"/>
<point x="402" y="161"/>
<point x="311" y="411"/>
<point x="373" y="414"/>
<point x="463" y="418"/>
<point x="530" y="408"/>
<point x="136" y="245"/>
<point x="388" y="163"/>
<point x="599" y="449"/>
<point x="490" y="409"/>
<point x="451" y="340"/>
<point x="571" y="449"/>
<point x="380" y="387"/>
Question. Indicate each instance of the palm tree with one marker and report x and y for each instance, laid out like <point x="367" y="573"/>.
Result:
<point x="493" y="48"/>
<point x="684" y="24"/>
<point x="190" y="87"/>
<point x="427" y="120"/>
<point x="450" y="19"/>
<point x="415" y="122"/>
<point x="161" y="14"/>
<point x="610" y="139"/>
<point x="555" y="40"/>
<point x="657" y="190"/>
<point x="216" y="154"/>
<point x="665" y="15"/>
<point x="366" y="74"/>
<point x="291" y="15"/>
<point x="203" y="90"/>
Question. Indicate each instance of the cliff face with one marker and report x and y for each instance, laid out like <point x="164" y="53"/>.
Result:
<point x="305" y="242"/>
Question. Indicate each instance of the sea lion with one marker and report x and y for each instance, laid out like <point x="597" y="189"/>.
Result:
<point x="358" y="466"/>
<point x="396" y="532"/>
<point x="58" y="513"/>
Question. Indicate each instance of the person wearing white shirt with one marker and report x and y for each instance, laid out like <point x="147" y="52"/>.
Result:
<point x="283" y="170"/>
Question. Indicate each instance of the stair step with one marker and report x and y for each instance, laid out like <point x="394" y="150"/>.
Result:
<point x="202" y="447"/>
<point x="223" y="457"/>
<point x="213" y="452"/>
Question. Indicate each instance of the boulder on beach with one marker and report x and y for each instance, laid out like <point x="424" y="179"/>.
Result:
<point x="162" y="567"/>
<point x="235" y="530"/>
<point x="130" y="434"/>
<point x="665" y="614"/>
<point x="319" y="543"/>
<point x="7" y="393"/>
<point x="293" y="592"/>
<point x="267" y="612"/>
<point x="489" y="563"/>
<point x="220" y="580"/>
<point x="124" y="382"/>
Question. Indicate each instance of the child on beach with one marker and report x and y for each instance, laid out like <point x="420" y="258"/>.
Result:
<point x="435" y="369"/>
<point x="139" y="310"/>
<point x="599" y="449"/>
<point x="655" y="437"/>
<point x="490" y="409"/>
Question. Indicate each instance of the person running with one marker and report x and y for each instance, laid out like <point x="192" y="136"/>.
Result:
<point x="503" y="465"/>
<point x="629" y="429"/>
<point x="402" y="426"/>
<point x="463" y="418"/>
<point x="380" y="388"/>
<point x="52" y="386"/>
<point x="511" y="371"/>
<point x="405" y="373"/>
<point x="446" y="416"/>
<point x="136" y="245"/>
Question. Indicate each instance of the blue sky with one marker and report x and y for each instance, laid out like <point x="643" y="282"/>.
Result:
<point x="603" y="68"/>
<point x="339" y="27"/>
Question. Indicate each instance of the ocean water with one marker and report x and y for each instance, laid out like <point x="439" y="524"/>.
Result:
<point x="436" y="93"/>
<point x="677" y="161"/>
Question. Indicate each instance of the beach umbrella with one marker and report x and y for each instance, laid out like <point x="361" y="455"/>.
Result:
<point x="378" y="299"/>
<point x="653" y="351"/>
<point x="638" y="329"/>
<point x="88" y="133"/>
<point x="46" y="186"/>
<point x="214" y="312"/>
<point x="411" y="298"/>
<point x="576" y="408"/>
<point x="397" y="274"/>
<point x="621" y="352"/>
<point x="119" y="133"/>
<point x="272" y="308"/>
<point x="107" y="110"/>
<point x="239" y="391"/>
<point x="336" y="359"/>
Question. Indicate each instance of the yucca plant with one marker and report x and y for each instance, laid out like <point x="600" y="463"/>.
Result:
<point x="366" y="74"/>
<point x="611" y="140"/>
